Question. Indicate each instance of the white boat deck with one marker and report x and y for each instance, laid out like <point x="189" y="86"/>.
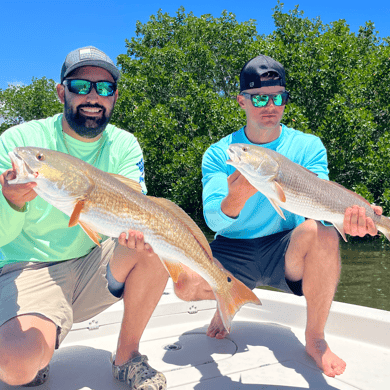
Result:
<point x="265" y="349"/>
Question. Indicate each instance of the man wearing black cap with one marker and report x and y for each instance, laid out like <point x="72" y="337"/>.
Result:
<point x="252" y="241"/>
<point x="51" y="275"/>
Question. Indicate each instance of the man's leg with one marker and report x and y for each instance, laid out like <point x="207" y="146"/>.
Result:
<point x="33" y="333"/>
<point x="192" y="287"/>
<point x="135" y="264"/>
<point x="313" y="257"/>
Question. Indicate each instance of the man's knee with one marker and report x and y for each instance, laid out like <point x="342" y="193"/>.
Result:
<point x="183" y="290"/>
<point x="21" y="360"/>
<point x="315" y="233"/>
<point x="192" y="287"/>
<point x="311" y="242"/>
<point x="23" y="352"/>
<point x="17" y="370"/>
<point x="328" y="237"/>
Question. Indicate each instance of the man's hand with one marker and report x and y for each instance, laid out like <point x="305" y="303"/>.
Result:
<point x="240" y="190"/>
<point x="357" y="224"/>
<point x="135" y="241"/>
<point x="17" y="194"/>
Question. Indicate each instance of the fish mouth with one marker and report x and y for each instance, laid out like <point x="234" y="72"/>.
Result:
<point x="234" y="157"/>
<point x="20" y="166"/>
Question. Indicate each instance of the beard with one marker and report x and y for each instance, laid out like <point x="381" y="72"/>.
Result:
<point x="84" y="126"/>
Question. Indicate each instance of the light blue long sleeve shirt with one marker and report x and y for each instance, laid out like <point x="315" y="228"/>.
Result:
<point x="258" y="218"/>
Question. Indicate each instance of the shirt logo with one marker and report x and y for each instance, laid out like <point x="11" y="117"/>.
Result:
<point x="140" y="165"/>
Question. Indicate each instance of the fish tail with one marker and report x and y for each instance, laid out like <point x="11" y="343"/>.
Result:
<point x="230" y="302"/>
<point x="384" y="226"/>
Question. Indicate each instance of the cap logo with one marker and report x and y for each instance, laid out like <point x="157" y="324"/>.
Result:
<point x="90" y="53"/>
<point x="85" y="53"/>
<point x="251" y="84"/>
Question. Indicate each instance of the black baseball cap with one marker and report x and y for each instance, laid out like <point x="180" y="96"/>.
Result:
<point x="255" y="68"/>
<point x="88" y="56"/>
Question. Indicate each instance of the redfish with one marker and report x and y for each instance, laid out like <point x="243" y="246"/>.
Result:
<point x="291" y="187"/>
<point x="111" y="204"/>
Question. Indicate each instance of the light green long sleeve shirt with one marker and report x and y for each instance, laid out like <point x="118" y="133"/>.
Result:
<point x="41" y="232"/>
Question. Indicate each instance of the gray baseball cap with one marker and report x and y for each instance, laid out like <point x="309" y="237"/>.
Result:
<point x="252" y="71"/>
<point x="88" y="56"/>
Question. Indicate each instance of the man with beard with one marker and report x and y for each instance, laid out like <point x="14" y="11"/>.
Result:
<point x="51" y="275"/>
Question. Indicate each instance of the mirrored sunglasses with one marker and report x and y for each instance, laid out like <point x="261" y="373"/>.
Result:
<point x="279" y="99"/>
<point x="84" y="87"/>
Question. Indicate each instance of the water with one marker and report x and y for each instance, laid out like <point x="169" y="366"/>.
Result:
<point x="365" y="273"/>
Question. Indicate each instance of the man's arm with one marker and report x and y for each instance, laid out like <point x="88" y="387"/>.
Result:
<point x="224" y="195"/>
<point x="13" y="199"/>
<point x="132" y="161"/>
<point x="240" y="190"/>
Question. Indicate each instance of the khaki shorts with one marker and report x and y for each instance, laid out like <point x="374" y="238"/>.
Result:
<point x="64" y="292"/>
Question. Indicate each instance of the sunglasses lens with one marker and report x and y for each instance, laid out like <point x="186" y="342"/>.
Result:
<point x="105" y="88"/>
<point x="278" y="100"/>
<point x="260" y="100"/>
<point x="81" y="87"/>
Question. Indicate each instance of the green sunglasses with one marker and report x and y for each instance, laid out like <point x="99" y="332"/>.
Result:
<point x="84" y="87"/>
<point x="279" y="99"/>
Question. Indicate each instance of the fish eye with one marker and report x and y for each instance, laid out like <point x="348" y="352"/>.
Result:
<point x="244" y="149"/>
<point x="40" y="157"/>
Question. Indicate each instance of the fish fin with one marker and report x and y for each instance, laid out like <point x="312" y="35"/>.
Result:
<point x="308" y="170"/>
<point x="94" y="236"/>
<point x="174" y="269"/>
<point x="78" y="208"/>
<point x="277" y="208"/>
<point x="185" y="218"/>
<point x="280" y="192"/>
<point x="229" y="303"/>
<point x="129" y="182"/>
<point x="340" y="229"/>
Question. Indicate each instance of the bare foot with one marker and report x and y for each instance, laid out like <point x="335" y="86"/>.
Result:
<point x="216" y="328"/>
<point x="325" y="359"/>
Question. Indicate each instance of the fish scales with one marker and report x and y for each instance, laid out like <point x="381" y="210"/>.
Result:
<point x="137" y="213"/>
<point x="315" y="197"/>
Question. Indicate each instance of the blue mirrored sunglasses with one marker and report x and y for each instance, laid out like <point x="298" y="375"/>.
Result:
<point x="279" y="99"/>
<point x="84" y="87"/>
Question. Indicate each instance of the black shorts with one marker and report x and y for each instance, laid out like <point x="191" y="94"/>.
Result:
<point x="257" y="261"/>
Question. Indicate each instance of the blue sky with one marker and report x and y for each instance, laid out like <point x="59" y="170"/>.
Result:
<point x="36" y="35"/>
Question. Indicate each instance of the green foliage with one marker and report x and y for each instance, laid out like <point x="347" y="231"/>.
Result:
<point x="180" y="79"/>
<point x="21" y="103"/>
